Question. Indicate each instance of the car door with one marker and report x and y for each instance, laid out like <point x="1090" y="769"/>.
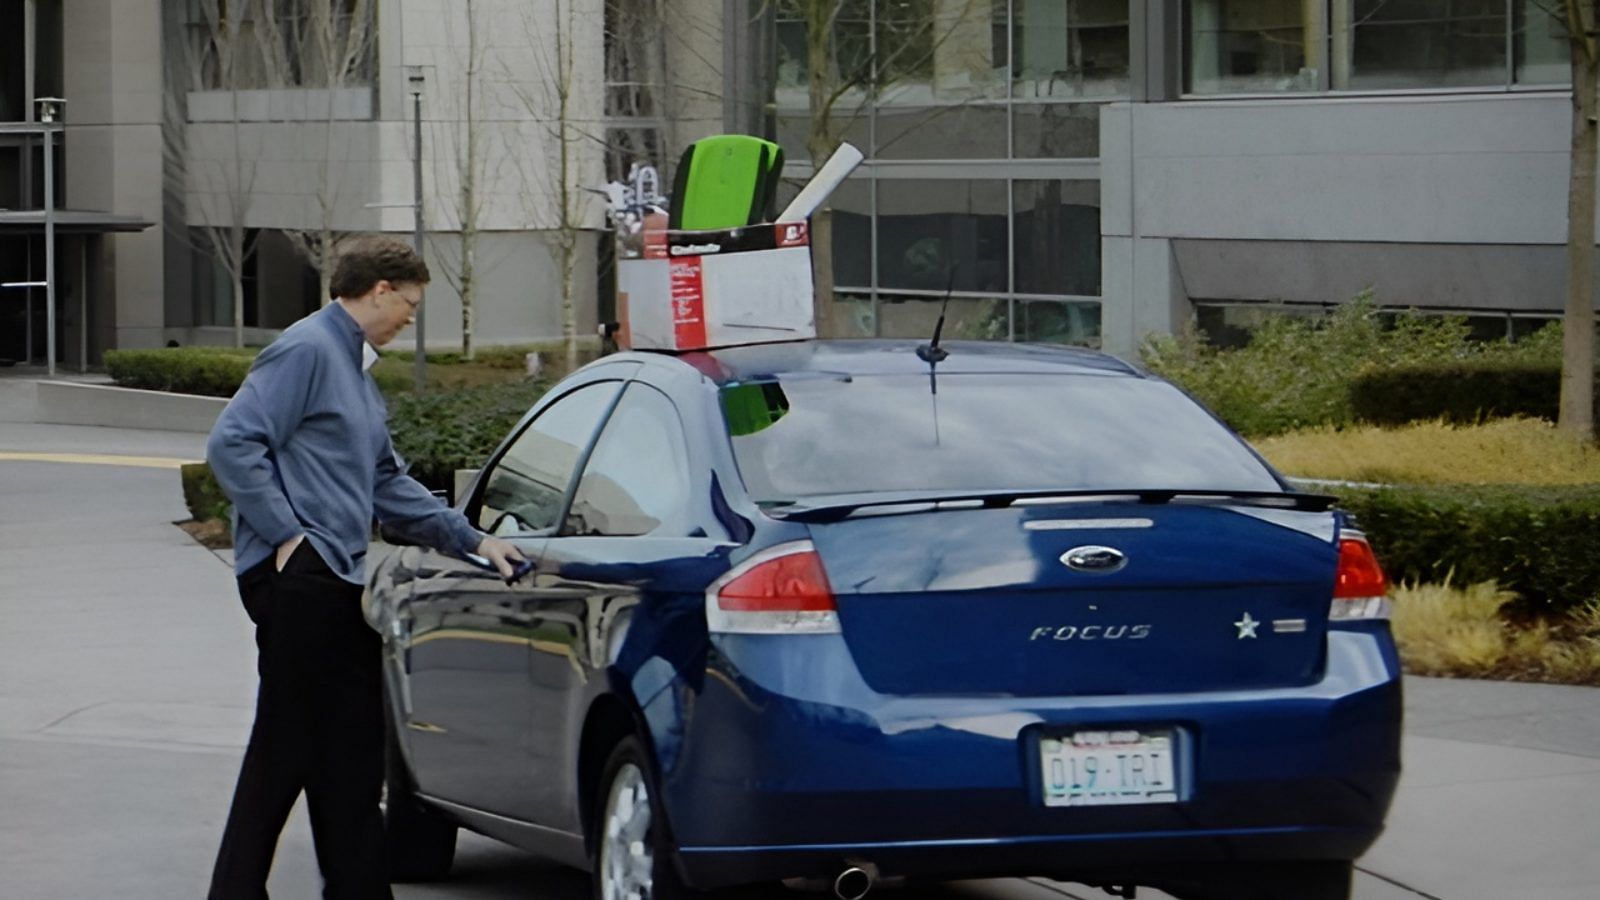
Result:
<point x="468" y="723"/>
<point x="637" y="547"/>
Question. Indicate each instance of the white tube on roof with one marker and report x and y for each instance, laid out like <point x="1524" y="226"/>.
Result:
<point x="838" y="167"/>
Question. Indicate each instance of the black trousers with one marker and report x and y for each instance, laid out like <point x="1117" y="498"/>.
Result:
<point x="318" y="729"/>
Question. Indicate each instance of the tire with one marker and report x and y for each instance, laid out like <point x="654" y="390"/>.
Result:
<point x="1277" y="881"/>
<point x="421" y="844"/>
<point x="631" y="854"/>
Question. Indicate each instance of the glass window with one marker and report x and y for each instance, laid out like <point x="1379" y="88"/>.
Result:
<point x="1057" y="233"/>
<point x="637" y="478"/>
<point x="1539" y="40"/>
<point x="1058" y="322"/>
<point x="851" y="203"/>
<point x="878" y="434"/>
<point x="854" y="315"/>
<point x="951" y="131"/>
<point x="1422" y="43"/>
<point x="968" y="318"/>
<point x="848" y="57"/>
<point x="525" y="487"/>
<point x="926" y="229"/>
<point x="848" y="121"/>
<point x="1070" y="48"/>
<point x="1056" y="130"/>
<point x="1242" y="46"/>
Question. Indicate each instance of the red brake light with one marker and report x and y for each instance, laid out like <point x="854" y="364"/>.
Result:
<point x="1359" y="573"/>
<point x="1360" y="590"/>
<point x="784" y="590"/>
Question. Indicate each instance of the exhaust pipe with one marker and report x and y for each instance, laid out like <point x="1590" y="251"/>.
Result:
<point x="853" y="884"/>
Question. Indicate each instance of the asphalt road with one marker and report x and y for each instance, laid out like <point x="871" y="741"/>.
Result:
<point x="126" y="683"/>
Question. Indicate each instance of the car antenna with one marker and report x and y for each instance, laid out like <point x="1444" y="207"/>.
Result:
<point x="931" y="353"/>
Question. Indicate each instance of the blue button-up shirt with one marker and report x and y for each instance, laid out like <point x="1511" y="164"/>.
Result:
<point x="303" y="447"/>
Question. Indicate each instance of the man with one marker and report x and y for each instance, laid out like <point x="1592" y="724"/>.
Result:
<point x="303" y="451"/>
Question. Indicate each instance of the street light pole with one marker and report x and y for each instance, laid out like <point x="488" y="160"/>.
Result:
<point x="415" y="76"/>
<point x="49" y="108"/>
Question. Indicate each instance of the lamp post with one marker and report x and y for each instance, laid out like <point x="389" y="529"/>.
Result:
<point x="414" y="74"/>
<point x="49" y="110"/>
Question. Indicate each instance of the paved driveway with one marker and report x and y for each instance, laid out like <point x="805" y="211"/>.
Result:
<point x="126" y="683"/>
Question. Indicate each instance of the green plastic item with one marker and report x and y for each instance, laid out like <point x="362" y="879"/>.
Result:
<point x="725" y="181"/>
<point x="750" y="408"/>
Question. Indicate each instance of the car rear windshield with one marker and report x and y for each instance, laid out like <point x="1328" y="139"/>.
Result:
<point x="808" y="436"/>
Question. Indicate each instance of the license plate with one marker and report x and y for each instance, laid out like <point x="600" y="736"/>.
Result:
<point x="1108" y="768"/>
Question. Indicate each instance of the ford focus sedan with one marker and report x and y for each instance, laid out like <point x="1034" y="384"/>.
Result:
<point x="840" y="612"/>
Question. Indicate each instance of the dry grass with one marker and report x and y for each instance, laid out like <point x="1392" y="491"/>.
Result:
<point x="1460" y="632"/>
<point x="1504" y="451"/>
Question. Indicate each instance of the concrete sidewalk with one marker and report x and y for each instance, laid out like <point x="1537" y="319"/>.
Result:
<point x="127" y="684"/>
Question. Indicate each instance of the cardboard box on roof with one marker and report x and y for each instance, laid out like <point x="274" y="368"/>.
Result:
<point x="680" y="290"/>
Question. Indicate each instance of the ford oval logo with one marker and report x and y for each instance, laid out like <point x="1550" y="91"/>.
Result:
<point x="1095" y="559"/>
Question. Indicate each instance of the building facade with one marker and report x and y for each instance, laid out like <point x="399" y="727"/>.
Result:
<point x="1084" y="171"/>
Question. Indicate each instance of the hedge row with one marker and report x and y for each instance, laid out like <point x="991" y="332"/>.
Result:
<point x="211" y="371"/>
<point x="182" y="370"/>
<point x="436" y="433"/>
<point x="1461" y="393"/>
<point x="1538" y="542"/>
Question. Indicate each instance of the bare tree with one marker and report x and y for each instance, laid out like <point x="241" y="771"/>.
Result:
<point x="1577" y="352"/>
<point x="892" y="48"/>
<point x="328" y="45"/>
<point x="224" y="53"/>
<point x="568" y="116"/>
<point x="461" y="150"/>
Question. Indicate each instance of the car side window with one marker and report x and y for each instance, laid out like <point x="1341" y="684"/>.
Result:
<point x="523" y="491"/>
<point x="637" y="478"/>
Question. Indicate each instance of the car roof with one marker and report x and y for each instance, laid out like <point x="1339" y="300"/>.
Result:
<point x="885" y="357"/>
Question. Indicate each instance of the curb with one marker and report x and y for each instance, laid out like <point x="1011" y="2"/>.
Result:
<point x="66" y="403"/>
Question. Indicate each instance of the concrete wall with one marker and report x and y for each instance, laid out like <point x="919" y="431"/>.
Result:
<point x="112" y="76"/>
<point x="1412" y="194"/>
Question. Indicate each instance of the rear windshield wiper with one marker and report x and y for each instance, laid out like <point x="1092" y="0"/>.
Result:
<point x="825" y="509"/>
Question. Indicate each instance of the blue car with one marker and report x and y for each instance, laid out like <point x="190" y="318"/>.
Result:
<point x="832" y="612"/>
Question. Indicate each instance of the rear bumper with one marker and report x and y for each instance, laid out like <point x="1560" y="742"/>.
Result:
<point x="1114" y="857"/>
<point x="785" y="766"/>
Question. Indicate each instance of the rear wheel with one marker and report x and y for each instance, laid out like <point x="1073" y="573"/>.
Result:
<point x="421" y="844"/>
<point x="632" y="855"/>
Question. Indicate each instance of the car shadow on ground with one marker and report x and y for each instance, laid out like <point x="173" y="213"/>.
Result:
<point x="486" y="870"/>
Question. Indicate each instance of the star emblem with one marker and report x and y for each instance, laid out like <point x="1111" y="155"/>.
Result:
<point x="1247" y="627"/>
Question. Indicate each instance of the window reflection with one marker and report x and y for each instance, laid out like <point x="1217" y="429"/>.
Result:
<point x="637" y="477"/>
<point x="1057" y="233"/>
<point x="968" y="318"/>
<point x="952" y="131"/>
<point x="1075" y="322"/>
<point x="526" y="486"/>
<point x="1244" y="46"/>
<point x="1070" y="48"/>
<point x="1056" y="130"/>
<point x="991" y="432"/>
<point x="1422" y="43"/>
<point x="927" y="229"/>
<point x="1539" y="40"/>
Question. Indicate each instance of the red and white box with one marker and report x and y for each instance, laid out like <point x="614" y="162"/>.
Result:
<point x="690" y="290"/>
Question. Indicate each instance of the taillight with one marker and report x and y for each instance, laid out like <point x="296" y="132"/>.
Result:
<point x="1360" y="590"/>
<point x="783" y="590"/>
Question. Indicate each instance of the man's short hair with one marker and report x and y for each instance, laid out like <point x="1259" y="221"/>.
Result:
<point x="365" y="261"/>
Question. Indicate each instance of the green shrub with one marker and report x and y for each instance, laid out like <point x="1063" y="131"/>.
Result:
<point x="440" y="432"/>
<point x="1298" y="373"/>
<point x="1460" y="393"/>
<point x="202" y="494"/>
<point x="1538" y="542"/>
<point x="209" y="371"/>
